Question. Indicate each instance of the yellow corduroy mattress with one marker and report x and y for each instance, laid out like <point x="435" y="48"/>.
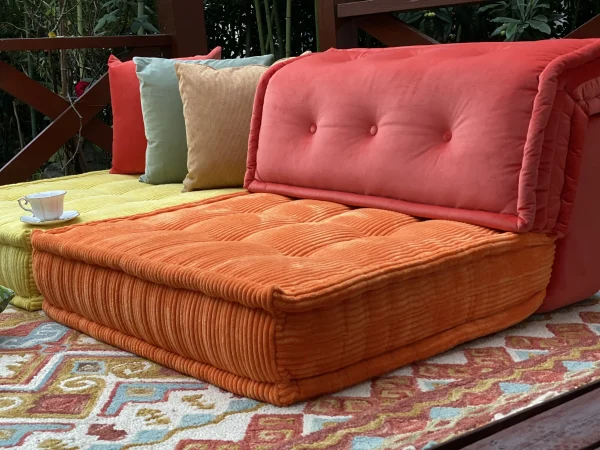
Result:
<point x="96" y="195"/>
<point x="282" y="300"/>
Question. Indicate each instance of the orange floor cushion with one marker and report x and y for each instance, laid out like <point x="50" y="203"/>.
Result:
<point x="282" y="300"/>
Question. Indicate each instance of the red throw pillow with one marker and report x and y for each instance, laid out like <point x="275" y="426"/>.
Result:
<point x="129" y="138"/>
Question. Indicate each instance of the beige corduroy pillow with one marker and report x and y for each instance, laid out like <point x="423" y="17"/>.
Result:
<point x="217" y="106"/>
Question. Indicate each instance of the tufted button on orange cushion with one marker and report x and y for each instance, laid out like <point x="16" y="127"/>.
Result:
<point x="447" y="136"/>
<point x="373" y="130"/>
<point x="313" y="128"/>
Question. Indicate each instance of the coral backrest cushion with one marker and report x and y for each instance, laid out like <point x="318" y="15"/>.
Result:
<point x="129" y="139"/>
<point x="486" y="133"/>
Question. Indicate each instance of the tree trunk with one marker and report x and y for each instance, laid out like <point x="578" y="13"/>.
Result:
<point x="64" y="74"/>
<point x="30" y="74"/>
<point x="288" y="29"/>
<point x="81" y="55"/>
<point x="275" y="17"/>
<point x="248" y="45"/>
<point x="261" y="37"/>
<point x="269" y="28"/>
<point x="21" y="141"/>
<point x="140" y="13"/>
<point x="317" y="25"/>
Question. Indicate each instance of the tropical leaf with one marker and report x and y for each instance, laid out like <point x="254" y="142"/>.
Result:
<point x="488" y="7"/>
<point x="100" y="25"/>
<point x="149" y="27"/>
<point x="444" y="15"/>
<point x="541" y="26"/>
<point x="135" y="26"/>
<point x="111" y="18"/>
<point x="505" y="20"/>
<point x="511" y="30"/>
<point x="521" y="7"/>
<point x="499" y="30"/>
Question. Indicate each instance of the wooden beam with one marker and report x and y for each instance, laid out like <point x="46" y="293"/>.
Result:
<point x="25" y="89"/>
<point x="365" y="7"/>
<point x="590" y="29"/>
<point x="80" y="116"/>
<point x="525" y="416"/>
<point x="333" y="31"/>
<point x="40" y="149"/>
<point x="392" y="31"/>
<point x="573" y="425"/>
<point x="62" y="43"/>
<point x="184" y="20"/>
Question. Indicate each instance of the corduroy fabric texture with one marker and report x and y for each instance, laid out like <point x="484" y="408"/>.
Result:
<point x="129" y="139"/>
<point x="217" y="106"/>
<point x="164" y="123"/>
<point x="96" y="195"/>
<point x="282" y="300"/>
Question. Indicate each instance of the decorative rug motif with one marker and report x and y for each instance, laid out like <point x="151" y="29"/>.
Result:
<point x="61" y="390"/>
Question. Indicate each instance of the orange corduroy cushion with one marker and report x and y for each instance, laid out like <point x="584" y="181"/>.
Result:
<point x="129" y="139"/>
<point x="282" y="299"/>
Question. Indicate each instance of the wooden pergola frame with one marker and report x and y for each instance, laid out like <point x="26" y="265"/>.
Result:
<point x="183" y="31"/>
<point x="181" y="23"/>
<point x="339" y="21"/>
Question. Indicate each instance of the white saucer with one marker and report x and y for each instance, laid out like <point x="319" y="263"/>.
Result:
<point x="66" y="216"/>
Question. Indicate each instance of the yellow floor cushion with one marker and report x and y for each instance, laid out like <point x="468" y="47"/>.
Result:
<point x="96" y="195"/>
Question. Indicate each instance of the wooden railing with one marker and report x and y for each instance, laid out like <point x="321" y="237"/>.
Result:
<point x="339" y="21"/>
<point x="181" y="21"/>
<point x="184" y="34"/>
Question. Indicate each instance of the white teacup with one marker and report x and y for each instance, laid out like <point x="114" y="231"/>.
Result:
<point x="44" y="205"/>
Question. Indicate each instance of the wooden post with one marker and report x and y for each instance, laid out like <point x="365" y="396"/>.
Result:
<point x="590" y="29"/>
<point x="392" y="31"/>
<point x="184" y="20"/>
<point x="333" y="31"/>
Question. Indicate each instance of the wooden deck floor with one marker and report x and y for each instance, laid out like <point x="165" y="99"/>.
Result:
<point x="566" y="422"/>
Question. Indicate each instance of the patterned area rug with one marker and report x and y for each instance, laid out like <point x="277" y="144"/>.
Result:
<point x="62" y="390"/>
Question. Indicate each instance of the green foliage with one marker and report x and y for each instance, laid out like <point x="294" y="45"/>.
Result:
<point x="233" y="25"/>
<point x="524" y="19"/>
<point x="439" y="24"/>
<point x="41" y="18"/>
<point x="510" y="20"/>
<point x="123" y="15"/>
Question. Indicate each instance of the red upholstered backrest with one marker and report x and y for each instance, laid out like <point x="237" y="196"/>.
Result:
<point x="488" y="133"/>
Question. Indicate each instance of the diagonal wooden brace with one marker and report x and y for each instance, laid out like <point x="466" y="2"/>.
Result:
<point x="590" y="29"/>
<point x="67" y="123"/>
<point x="392" y="31"/>
<point x="64" y="127"/>
<point x="34" y="94"/>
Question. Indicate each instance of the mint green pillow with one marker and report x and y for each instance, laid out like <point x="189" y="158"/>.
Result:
<point x="166" y="153"/>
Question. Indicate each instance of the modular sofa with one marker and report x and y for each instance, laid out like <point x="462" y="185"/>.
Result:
<point x="400" y="201"/>
<point x="96" y="195"/>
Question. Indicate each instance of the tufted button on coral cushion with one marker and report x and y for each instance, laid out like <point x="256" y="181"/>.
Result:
<point x="313" y="129"/>
<point x="373" y="130"/>
<point x="518" y="113"/>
